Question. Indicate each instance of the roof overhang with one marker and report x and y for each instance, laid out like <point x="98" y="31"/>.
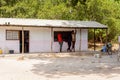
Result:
<point x="50" y="23"/>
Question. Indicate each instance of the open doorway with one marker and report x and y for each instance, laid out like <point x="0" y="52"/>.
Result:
<point x="26" y="41"/>
<point x="64" y="34"/>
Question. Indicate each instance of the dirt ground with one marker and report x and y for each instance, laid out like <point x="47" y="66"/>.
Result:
<point x="60" y="68"/>
<point x="115" y="46"/>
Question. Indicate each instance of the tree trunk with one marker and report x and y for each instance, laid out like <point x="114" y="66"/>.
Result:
<point x="101" y="40"/>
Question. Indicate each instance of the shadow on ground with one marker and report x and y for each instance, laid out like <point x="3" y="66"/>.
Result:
<point x="81" y="66"/>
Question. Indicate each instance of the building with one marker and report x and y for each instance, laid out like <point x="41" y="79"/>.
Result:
<point x="39" y="35"/>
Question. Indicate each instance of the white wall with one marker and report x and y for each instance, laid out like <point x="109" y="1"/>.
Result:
<point x="77" y="43"/>
<point x="6" y="45"/>
<point x="39" y="39"/>
<point x="56" y="46"/>
<point x="65" y="45"/>
<point x="84" y="39"/>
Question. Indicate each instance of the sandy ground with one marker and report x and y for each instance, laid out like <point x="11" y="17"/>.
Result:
<point x="60" y="68"/>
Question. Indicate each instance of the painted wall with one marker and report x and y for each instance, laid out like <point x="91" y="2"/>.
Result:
<point x="40" y="40"/>
<point x="77" y="43"/>
<point x="81" y="40"/>
<point x="56" y="46"/>
<point x="84" y="39"/>
<point x="80" y="45"/>
<point x="7" y="45"/>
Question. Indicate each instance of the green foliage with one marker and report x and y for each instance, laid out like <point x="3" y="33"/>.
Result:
<point x="103" y="11"/>
<point x="106" y="12"/>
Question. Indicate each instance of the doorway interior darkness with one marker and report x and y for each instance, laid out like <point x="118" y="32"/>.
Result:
<point x="64" y="34"/>
<point x="26" y="41"/>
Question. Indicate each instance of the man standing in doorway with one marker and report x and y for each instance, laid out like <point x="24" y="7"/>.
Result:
<point x="69" y="42"/>
<point x="60" y="40"/>
<point x="73" y="40"/>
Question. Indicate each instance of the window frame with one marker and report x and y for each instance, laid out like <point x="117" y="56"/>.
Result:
<point x="12" y="36"/>
<point x="64" y="35"/>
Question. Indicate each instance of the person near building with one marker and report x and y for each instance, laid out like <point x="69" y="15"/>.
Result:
<point x="109" y="48"/>
<point x="60" y="40"/>
<point x="73" y="40"/>
<point x="69" y="40"/>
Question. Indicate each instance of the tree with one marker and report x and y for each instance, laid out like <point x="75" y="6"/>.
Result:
<point x="103" y="11"/>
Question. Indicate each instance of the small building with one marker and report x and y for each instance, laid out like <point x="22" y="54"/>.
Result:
<point x="39" y="35"/>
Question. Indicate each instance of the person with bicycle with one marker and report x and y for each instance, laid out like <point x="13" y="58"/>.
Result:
<point x="109" y="48"/>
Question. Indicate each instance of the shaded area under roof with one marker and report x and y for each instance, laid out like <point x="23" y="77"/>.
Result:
<point x="51" y="23"/>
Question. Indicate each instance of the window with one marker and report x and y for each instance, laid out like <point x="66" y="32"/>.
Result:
<point x="12" y="35"/>
<point x="64" y="34"/>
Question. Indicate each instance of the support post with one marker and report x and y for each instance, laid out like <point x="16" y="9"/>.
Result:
<point x="22" y="57"/>
<point x="94" y="41"/>
<point x="80" y="41"/>
<point x="51" y="39"/>
<point x="106" y="36"/>
<point x="22" y="40"/>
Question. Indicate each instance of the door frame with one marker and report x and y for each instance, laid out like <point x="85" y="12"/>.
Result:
<point x="26" y="41"/>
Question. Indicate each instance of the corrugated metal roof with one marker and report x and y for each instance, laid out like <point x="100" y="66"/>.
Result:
<point x="50" y="23"/>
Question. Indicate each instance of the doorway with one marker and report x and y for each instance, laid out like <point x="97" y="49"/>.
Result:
<point x="26" y="41"/>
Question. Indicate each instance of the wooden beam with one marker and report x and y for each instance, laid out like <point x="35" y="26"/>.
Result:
<point x="22" y="56"/>
<point x="106" y="36"/>
<point x="22" y="40"/>
<point x="94" y="41"/>
<point x="52" y="39"/>
<point x="80" y="41"/>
